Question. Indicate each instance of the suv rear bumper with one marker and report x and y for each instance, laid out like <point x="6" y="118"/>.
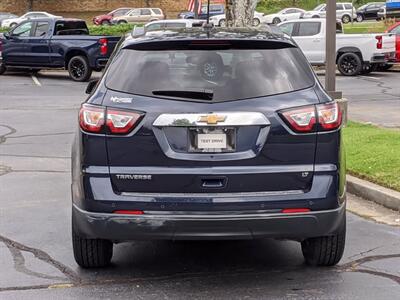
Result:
<point x="197" y="226"/>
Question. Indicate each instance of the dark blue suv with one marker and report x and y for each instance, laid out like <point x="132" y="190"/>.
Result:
<point x="208" y="134"/>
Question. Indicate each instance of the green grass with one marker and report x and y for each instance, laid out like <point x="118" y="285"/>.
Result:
<point x="364" y="27"/>
<point x="373" y="153"/>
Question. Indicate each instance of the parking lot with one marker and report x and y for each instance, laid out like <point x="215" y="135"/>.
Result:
<point x="38" y="117"/>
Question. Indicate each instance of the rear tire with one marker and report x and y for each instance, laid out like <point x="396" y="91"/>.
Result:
<point x="3" y="69"/>
<point x="79" y="69"/>
<point x="222" y="23"/>
<point x="91" y="253"/>
<point x="276" y="21"/>
<point x="349" y="64"/>
<point x="325" y="250"/>
<point x="368" y="68"/>
<point x="346" y="19"/>
<point x="256" y="22"/>
<point x="122" y="22"/>
<point x="384" y="67"/>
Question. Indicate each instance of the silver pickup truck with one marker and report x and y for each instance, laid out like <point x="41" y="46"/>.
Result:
<point x="355" y="53"/>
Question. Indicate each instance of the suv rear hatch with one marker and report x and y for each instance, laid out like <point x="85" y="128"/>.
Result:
<point x="210" y="119"/>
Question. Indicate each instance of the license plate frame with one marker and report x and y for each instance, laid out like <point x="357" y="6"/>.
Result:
<point x="230" y="136"/>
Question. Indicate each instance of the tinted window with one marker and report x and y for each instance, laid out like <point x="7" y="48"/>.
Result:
<point x="308" y="28"/>
<point x="70" y="28"/>
<point x="41" y="29"/>
<point x="157" y="11"/>
<point x="145" y="12"/>
<point x="226" y="74"/>
<point x="348" y="6"/>
<point x="23" y="30"/>
<point x="339" y="7"/>
<point x="156" y="26"/>
<point x="287" y="28"/>
<point x="175" y="25"/>
<point x="38" y="15"/>
<point x="134" y="12"/>
<point x="121" y="12"/>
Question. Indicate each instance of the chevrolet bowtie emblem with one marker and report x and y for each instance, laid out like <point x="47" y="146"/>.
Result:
<point x="212" y="119"/>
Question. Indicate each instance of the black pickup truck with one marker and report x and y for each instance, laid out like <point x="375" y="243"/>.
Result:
<point x="55" y="43"/>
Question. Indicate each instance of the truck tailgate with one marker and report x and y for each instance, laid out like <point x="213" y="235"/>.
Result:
<point x="388" y="43"/>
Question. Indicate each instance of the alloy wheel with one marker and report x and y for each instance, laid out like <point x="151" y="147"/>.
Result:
<point x="349" y="64"/>
<point x="77" y="69"/>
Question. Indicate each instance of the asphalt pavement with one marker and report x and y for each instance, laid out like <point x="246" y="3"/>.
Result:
<point x="38" y="117"/>
<point x="373" y="98"/>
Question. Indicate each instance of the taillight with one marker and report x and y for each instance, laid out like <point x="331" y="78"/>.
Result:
<point x="329" y="116"/>
<point x="121" y="122"/>
<point x="305" y="119"/>
<point x="91" y="118"/>
<point x="301" y="119"/>
<point x="95" y="119"/>
<point x="379" y="41"/>
<point x="103" y="46"/>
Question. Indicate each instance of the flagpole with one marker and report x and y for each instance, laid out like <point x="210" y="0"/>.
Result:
<point x="208" y="12"/>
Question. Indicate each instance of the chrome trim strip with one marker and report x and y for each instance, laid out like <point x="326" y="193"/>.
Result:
<point x="96" y="170"/>
<point x="325" y="167"/>
<point x="210" y="170"/>
<point x="213" y="195"/>
<point x="192" y="119"/>
<point x="213" y="170"/>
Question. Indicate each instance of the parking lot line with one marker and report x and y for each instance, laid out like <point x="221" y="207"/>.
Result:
<point x="36" y="81"/>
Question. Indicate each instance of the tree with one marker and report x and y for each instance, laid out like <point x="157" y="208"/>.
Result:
<point x="30" y="5"/>
<point x="240" y="13"/>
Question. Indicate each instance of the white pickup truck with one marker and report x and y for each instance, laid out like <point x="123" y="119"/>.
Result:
<point x="355" y="53"/>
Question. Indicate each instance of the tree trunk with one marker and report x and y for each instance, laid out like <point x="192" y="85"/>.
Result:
<point x="240" y="13"/>
<point x="30" y="5"/>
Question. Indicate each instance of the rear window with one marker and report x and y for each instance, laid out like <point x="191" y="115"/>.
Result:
<point x="220" y="74"/>
<point x="70" y="28"/>
<point x="309" y="28"/>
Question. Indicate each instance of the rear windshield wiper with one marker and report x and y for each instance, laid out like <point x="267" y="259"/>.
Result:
<point x="190" y="94"/>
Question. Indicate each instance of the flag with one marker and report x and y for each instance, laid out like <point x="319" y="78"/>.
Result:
<point x="192" y="4"/>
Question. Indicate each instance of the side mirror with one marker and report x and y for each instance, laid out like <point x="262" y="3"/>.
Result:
<point x="6" y="35"/>
<point x="91" y="85"/>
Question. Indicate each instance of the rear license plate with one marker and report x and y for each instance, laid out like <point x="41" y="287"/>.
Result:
<point x="212" y="139"/>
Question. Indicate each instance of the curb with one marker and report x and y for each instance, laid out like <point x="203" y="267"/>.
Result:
<point x="373" y="192"/>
